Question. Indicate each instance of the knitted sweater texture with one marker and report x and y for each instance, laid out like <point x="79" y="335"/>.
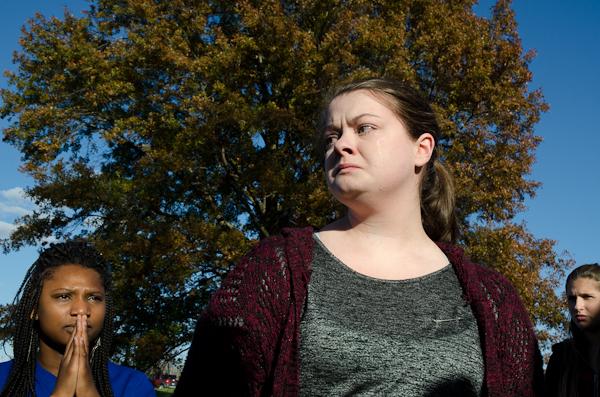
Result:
<point x="247" y="341"/>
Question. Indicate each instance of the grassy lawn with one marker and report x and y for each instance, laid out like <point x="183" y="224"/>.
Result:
<point x="164" y="391"/>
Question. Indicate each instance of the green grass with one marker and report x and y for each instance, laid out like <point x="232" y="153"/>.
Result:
<point x="164" y="391"/>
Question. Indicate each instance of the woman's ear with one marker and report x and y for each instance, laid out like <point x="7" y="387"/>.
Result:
<point x="424" y="149"/>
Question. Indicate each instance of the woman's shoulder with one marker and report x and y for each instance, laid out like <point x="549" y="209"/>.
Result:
<point x="562" y="346"/>
<point x="6" y="366"/>
<point x="561" y="352"/>
<point x="115" y="369"/>
<point x="127" y="381"/>
<point x="293" y="246"/>
<point x="4" y="371"/>
<point x="483" y="283"/>
<point x="300" y="238"/>
<point x="472" y="270"/>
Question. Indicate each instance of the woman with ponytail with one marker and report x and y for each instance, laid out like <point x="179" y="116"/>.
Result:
<point x="378" y="302"/>
<point x="62" y="323"/>
<point x="574" y="367"/>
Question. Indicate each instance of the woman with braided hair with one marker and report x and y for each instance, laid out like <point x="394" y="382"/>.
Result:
<point x="62" y="321"/>
<point x="379" y="302"/>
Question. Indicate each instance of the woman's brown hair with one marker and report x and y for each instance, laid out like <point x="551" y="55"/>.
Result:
<point x="437" y="187"/>
<point x="573" y="356"/>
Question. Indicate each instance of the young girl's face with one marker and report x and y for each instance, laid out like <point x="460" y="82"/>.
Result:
<point x="583" y="295"/>
<point x="69" y="291"/>
<point x="368" y="148"/>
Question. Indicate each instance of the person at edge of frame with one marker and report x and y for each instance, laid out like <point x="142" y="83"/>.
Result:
<point x="63" y="328"/>
<point x="573" y="369"/>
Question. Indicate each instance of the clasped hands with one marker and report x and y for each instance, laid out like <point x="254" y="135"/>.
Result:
<point x="75" y="373"/>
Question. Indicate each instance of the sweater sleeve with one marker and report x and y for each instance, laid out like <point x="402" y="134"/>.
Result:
<point x="528" y="352"/>
<point x="235" y="341"/>
<point x="513" y="362"/>
<point x="518" y="370"/>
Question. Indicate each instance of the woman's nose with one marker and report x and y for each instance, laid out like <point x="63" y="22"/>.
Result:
<point x="80" y="306"/>
<point x="345" y="143"/>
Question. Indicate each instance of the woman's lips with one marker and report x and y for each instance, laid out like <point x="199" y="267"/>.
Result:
<point x="342" y="167"/>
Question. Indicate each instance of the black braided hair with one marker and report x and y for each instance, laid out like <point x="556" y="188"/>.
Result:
<point x="25" y="339"/>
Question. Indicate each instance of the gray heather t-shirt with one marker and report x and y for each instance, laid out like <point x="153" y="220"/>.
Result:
<point x="367" y="336"/>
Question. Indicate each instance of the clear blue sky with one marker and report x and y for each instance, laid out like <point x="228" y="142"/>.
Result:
<point x="565" y="36"/>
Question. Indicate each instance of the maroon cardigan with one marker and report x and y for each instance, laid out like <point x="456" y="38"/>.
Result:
<point x="247" y="341"/>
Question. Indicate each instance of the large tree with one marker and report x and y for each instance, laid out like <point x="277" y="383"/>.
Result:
<point x="176" y="133"/>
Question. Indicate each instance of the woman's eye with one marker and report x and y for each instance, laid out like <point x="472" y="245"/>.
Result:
<point x="96" y="298"/>
<point x="63" y="296"/>
<point x="330" y="139"/>
<point x="364" y="128"/>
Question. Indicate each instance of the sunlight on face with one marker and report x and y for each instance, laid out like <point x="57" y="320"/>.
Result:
<point x="369" y="150"/>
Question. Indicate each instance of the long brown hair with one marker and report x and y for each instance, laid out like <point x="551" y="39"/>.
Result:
<point x="437" y="187"/>
<point x="573" y="357"/>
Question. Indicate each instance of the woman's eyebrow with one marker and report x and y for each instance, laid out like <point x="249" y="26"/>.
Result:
<point x="62" y="289"/>
<point x="364" y="115"/>
<point x="352" y="120"/>
<point x="70" y="289"/>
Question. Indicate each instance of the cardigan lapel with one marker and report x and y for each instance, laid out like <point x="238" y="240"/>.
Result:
<point x="474" y="292"/>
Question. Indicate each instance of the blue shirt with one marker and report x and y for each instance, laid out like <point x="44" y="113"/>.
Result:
<point x="125" y="381"/>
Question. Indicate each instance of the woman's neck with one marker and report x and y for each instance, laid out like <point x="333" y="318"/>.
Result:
<point x="49" y="358"/>
<point x="381" y="248"/>
<point x="401" y="223"/>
